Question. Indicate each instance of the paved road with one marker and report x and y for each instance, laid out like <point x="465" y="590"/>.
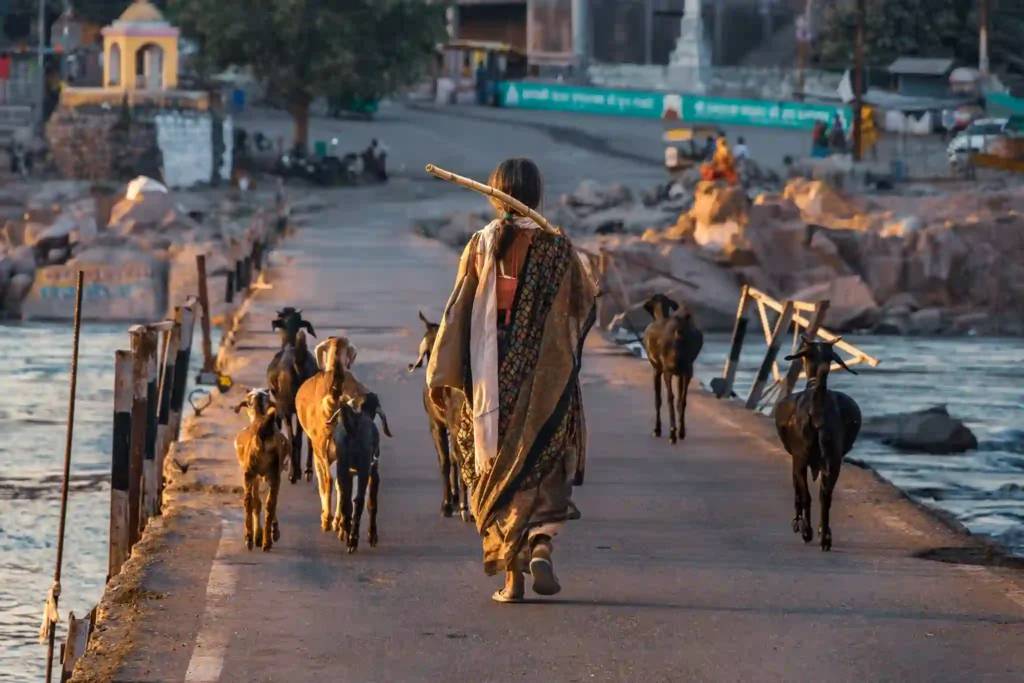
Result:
<point x="683" y="567"/>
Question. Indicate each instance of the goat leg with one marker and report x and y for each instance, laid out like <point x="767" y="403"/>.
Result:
<point x="371" y="505"/>
<point x="444" y="462"/>
<point x="345" y="491"/>
<point x="272" y="534"/>
<point x="802" y="502"/>
<point x="323" y="483"/>
<point x="672" y="434"/>
<point x="357" y="513"/>
<point x="309" y="455"/>
<point x="657" y="403"/>
<point x="247" y="497"/>
<point x="832" y="463"/>
<point x="293" y="474"/>
<point x="684" y="388"/>
<point x="256" y="509"/>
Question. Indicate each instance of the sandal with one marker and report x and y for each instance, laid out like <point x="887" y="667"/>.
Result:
<point x="544" y="580"/>
<point x="499" y="596"/>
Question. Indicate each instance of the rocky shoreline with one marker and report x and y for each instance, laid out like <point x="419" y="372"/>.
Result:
<point x="137" y="244"/>
<point x="913" y="262"/>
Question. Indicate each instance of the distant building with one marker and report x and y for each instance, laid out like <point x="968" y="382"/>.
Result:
<point x="922" y="76"/>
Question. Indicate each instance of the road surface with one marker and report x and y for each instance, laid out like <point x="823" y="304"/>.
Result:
<point x="683" y="567"/>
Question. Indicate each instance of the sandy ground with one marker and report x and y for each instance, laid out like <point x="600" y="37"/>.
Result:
<point x="683" y="567"/>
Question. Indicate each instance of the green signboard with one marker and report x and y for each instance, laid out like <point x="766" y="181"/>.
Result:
<point x="556" y="97"/>
<point x="688" y="108"/>
<point x="730" y="112"/>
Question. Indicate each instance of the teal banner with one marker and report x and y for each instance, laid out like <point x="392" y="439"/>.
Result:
<point x="688" y="108"/>
<point x="730" y="112"/>
<point x="553" y="97"/>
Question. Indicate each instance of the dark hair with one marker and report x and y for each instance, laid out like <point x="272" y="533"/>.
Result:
<point x="519" y="178"/>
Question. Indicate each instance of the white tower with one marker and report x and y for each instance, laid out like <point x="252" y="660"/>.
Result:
<point x="689" y="63"/>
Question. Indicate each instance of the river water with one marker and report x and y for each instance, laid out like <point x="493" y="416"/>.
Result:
<point x="35" y="362"/>
<point x="981" y="380"/>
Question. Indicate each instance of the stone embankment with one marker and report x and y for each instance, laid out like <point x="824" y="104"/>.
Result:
<point x="907" y="262"/>
<point x="137" y="244"/>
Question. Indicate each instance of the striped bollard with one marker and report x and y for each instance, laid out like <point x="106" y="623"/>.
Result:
<point x="167" y="379"/>
<point x="188" y="320"/>
<point x="120" y="538"/>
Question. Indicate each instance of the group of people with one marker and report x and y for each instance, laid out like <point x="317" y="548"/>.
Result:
<point x="720" y="160"/>
<point x="826" y="140"/>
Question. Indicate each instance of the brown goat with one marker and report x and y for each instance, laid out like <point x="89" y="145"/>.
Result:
<point x="261" y="448"/>
<point x="817" y="427"/>
<point x="316" y="403"/>
<point x="672" y="343"/>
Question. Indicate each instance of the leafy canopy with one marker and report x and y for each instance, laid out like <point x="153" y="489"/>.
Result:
<point x="304" y="49"/>
<point x="915" y="28"/>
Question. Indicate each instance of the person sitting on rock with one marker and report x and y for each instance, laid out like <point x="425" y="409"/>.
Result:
<point x="722" y="166"/>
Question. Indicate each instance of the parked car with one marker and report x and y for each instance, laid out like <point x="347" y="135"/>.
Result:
<point x="976" y="138"/>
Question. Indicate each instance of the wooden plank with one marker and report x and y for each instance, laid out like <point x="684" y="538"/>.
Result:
<point x="766" y="327"/>
<point x="77" y="640"/>
<point x="781" y="328"/>
<point x="739" y="331"/>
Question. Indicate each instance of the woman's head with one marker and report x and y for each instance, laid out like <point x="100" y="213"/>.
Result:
<point x="519" y="178"/>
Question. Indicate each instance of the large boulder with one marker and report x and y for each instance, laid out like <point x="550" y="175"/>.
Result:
<point x="881" y="261"/>
<point x="630" y="220"/>
<point x="14" y="294"/>
<point x="932" y="430"/>
<point x="590" y="196"/>
<point x="821" y="203"/>
<point x="718" y="203"/>
<point x="851" y="305"/>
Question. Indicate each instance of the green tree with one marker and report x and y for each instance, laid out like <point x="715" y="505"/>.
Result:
<point x="305" y="49"/>
<point x="918" y="28"/>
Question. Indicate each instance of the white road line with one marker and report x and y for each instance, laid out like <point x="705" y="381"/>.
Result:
<point x="212" y="641"/>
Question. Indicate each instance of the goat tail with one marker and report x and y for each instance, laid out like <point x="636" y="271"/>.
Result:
<point x="383" y="422"/>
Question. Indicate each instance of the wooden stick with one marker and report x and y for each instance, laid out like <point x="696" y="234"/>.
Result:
<point x="512" y="203"/>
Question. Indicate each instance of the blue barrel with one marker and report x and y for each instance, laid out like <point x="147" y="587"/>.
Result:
<point x="238" y="99"/>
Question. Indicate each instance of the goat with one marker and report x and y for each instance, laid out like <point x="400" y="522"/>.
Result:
<point x="672" y="342"/>
<point x="333" y="383"/>
<point x="817" y="427"/>
<point x="355" y="446"/>
<point x="260" y="448"/>
<point x="288" y="369"/>
<point x="455" y="490"/>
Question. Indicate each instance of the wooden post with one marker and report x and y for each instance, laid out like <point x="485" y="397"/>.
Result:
<point x="239" y="275"/>
<point x="120" y="539"/>
<point x="143" y="346"/>
<point x="229" y="291"/>
<point x="739" y="331"/>
<point x="781" y="327"/>
<point x="168" y="377"/>
<point x="181" y="363"/>
<point x="204" y="302"/>
<point x="149" y="471"/>
<point x="74" y="648"/>
<point x="257" y="258"/>
<point x="796" y="366"/>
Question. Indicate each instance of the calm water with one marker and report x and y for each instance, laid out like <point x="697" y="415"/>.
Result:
<point x="981" y="380"/>
<point x="35" y="361"/>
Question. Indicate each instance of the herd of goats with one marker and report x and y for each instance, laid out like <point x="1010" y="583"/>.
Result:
<point x="316" y="395"/>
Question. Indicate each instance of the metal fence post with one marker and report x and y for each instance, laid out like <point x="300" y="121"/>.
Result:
<point x="143" y="346"/>
<point x="120" y="538"/>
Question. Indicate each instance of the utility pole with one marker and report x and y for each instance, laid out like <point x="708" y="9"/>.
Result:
<point x="803" y="36"/>
<point x="983" y="39"/>
<point x="648" y="31"/>
<point x="580" y="42"/>
<point x="858" y="80"/>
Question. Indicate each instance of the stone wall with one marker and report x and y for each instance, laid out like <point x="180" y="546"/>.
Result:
<point x="183" y="148"/>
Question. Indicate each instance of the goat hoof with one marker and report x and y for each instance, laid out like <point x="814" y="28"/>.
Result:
<point x="826" y="541"/>
<point x="343" y="536"/>
<point x="267" y="546"/>
<point x="309" y="475"/>
<point x="446" y="510"/>
<point x="293" y="478"/>
<point x="796" y="525"/>
<point x="682" y="434"/>
<point x="325" y="524"/>
<point x="806" y="532"/>
<point x="372" y="538"/>
<point x="657" y="432"/>
<point x="248" y="542"/>
<point x="466" y="517"/>
<point x="276" y="533"/>
<point x="336" y="524"/>
<point x="672" y="437"/>
<point x="258" y="540"/>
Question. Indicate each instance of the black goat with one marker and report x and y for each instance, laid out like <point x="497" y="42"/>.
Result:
<point x="817" y="427"/>
<point x="356" y="444"/>
<point x="455" y="490"/>
<point x="288" y="369"/>
<point x="672" y="342"/>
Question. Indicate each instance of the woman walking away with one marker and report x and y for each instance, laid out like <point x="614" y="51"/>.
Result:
<point x="511" y="341"/>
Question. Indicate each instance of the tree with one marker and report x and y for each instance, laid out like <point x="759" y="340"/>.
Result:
<point x="305" y="49"/>
<point x="918" y="28"/>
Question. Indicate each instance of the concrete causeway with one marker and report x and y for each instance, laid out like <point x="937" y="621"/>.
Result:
<point x="683" y="567"/>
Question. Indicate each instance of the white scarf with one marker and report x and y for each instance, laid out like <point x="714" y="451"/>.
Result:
<point x="483" y="348"/>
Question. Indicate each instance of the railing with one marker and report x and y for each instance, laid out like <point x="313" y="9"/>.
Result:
<point x="150" y="381"/>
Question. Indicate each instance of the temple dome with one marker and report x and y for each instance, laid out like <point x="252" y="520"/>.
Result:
<point x="142" y="11"/>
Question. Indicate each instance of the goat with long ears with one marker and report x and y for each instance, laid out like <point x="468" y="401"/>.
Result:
<point x="288" y="322"/>
<point x="817" y="426"/>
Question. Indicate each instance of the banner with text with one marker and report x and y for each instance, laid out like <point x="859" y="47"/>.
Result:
<point x="556" y="97"/>
<point x="730" y="112"/>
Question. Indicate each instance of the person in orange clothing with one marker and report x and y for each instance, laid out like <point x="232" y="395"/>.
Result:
<point x="722" y="166"/>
